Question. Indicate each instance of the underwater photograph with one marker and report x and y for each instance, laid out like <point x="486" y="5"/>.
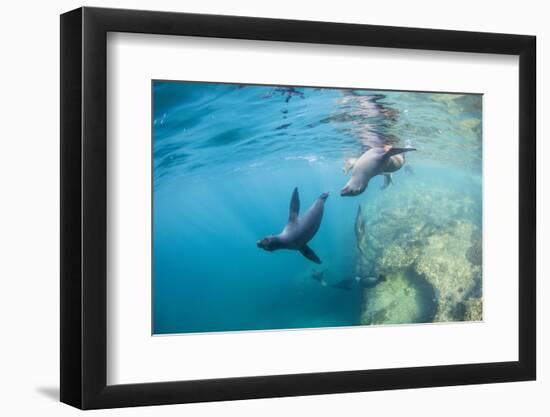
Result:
<point x="290" y="207"/>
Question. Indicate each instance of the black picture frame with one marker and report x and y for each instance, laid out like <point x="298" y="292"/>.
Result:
<point x="84" y="207"/>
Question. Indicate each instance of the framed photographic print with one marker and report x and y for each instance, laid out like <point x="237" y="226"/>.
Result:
<point x="257" y="208"/>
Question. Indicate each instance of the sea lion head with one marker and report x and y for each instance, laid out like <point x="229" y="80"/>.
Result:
<point x="355" y="186"/>
<point x="348" y="191"/>
<point x="351" y="189"/>
<point x="269" y="243"/>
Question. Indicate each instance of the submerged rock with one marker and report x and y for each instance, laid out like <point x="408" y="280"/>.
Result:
<point x="474" y="309"/>
<point x="393" y="301"/>
<point x="426" y="239"/>
<point x="444" y="263"/>
<point x="474" y="253"/>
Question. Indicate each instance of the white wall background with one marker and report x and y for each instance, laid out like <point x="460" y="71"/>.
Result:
<point x="29" y="237"/>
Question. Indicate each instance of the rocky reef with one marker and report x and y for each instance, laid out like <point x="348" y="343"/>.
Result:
<point x="425" y="238"/>
<point x="402" y="297"/>
<point x="392" y="301"/>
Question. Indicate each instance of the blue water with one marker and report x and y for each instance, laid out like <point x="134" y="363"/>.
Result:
<point x="226" y="159"/>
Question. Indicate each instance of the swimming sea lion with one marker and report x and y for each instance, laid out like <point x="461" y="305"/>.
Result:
<point x="348" y="165"/>
<point x="370" y="281"/>
<point x="299" y="230"/>
<point x="356" y="282"/>
<point x="345" y="284"/>
<point x="359" y="229"/>
<point x="288" y="92"/>
<point x="319" y="276"/>
<point x="375" y="161"/>
<point x="394" y="163"/>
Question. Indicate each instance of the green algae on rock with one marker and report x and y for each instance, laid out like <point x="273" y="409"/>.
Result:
<point x="474" y="309"/>
<point x="474" y="253"/>
<point x="444" y="264"/>
<point x="422" y="235"/>
<point x="393" y="301"/>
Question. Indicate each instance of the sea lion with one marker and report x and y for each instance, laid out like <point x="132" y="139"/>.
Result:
<point x="370" y="281"/>
<point x="288" y="92"/>
<point x="299" y="230"/>
<point x="359" y="229"/>
<point x="348" y="165"/>
<point x="356" y="282"/>
<point x="374" y="161"/>
<point x="345" y="284"/>
<point x="319" y="276"/>
<point x="394" y="163"/>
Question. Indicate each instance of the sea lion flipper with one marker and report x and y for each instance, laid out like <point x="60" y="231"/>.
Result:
<point x="359" y="229"/>
<point x="348" y="165"/>
<point x="395" y="151"/>
<point x="309" y="254"/>
<point x="387" y="181"/>
<point x="294" y="206"/>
